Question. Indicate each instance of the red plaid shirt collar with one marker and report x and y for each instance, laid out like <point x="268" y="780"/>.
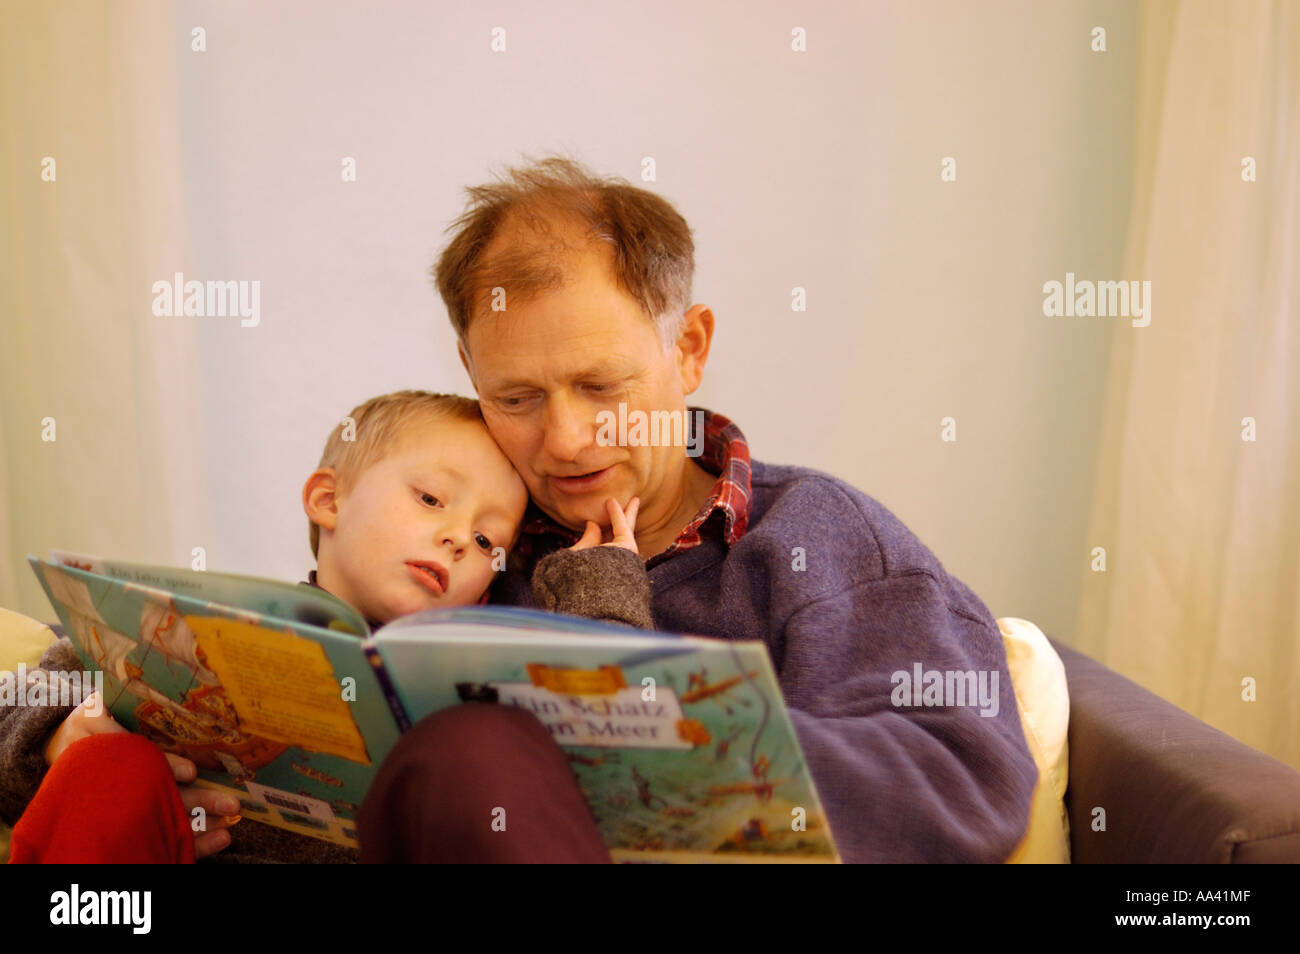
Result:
<point x="725" y="453"/>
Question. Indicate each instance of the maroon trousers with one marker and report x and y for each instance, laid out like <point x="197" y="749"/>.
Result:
<point x="478" y="783"/>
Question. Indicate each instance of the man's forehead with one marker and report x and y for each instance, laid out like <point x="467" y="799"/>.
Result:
<point x="558" y="342"/>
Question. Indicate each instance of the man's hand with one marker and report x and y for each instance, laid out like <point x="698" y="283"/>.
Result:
<point x="622" y="525"/>
<point x="92" y="718"/>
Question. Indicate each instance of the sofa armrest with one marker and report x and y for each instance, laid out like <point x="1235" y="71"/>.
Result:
<point x="1174" y="789"/>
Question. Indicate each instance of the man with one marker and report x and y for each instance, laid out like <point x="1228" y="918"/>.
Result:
<point x="570" y="296"/>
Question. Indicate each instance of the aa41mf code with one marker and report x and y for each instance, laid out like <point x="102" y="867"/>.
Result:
<point x="1164" y="897"/>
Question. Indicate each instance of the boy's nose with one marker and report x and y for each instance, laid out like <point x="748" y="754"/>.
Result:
<point x="454" y="537"/>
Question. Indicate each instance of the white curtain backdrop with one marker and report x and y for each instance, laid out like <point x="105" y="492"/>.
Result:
<point x="93" y="86"/>
<point x="1201" y="591"/>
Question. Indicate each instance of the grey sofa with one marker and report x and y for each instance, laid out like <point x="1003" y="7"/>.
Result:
<point x="1173" y="788"/>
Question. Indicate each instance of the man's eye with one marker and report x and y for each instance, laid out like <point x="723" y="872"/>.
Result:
<point x="483" y="541"/>
<point x="429" y="499"/>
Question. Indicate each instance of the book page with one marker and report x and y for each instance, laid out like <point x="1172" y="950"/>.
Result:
<point x="281" y="685"/>
<point x="682" y="746"/>
<point x="288" y="601"/>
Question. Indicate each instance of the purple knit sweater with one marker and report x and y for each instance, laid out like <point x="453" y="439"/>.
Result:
<point x="863" y="600"/>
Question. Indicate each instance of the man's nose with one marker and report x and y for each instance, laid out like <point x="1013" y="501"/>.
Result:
<point x="567" y="427"/>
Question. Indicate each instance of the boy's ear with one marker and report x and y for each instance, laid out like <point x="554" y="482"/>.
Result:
<point x="320" y="498"/>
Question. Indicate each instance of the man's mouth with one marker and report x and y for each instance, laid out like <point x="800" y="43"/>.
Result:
<point x="582" y="483"/>
<point x="433" y="576"/>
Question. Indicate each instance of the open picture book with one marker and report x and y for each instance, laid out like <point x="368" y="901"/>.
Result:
<point x="284" y="698"/>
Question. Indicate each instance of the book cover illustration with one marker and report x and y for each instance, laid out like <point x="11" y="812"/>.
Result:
<point x="264" y="712"/>
<point x="684" y="751"/>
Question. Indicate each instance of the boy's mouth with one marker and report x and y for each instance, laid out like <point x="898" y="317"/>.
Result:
<point x="433" y="576"/>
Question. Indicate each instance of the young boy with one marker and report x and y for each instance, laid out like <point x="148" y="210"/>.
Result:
<point x="412" y="507"/>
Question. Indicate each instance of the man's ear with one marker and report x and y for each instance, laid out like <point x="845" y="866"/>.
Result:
<point x="320" y="498"/>
<point x="693" y="346"/>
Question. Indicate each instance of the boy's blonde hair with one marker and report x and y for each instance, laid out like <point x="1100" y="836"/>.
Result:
<point x="371" y="431"/>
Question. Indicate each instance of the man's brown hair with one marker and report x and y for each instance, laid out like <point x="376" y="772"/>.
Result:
<point x="371" y="430"/>
<point x="654" y="255"/>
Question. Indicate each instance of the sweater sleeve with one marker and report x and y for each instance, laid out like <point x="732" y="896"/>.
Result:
<point x="902" y="782"/>
<point x="24" y="730"/>
<point x="604" y="582"/>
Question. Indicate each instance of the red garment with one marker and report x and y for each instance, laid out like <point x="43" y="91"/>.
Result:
<point x="107" y="799"/>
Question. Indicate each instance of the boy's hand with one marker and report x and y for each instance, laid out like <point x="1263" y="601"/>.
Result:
<point x="219" y="811"/>
<point x="89" y="718"/>
<point x="92" y="718"/>
<point x="622" y="524"/>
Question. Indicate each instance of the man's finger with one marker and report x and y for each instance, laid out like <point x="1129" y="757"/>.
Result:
<point x="633" y="508"/>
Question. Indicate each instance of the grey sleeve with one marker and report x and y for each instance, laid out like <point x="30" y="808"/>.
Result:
<point x="24" y="730"/>
<point x="604" y="582"/>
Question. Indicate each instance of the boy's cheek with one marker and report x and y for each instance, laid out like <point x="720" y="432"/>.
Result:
<point x="483" y="582"/>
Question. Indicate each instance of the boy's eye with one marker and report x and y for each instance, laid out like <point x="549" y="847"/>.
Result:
<point x="429" y="499"/>
<point x="483" y="541"/>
